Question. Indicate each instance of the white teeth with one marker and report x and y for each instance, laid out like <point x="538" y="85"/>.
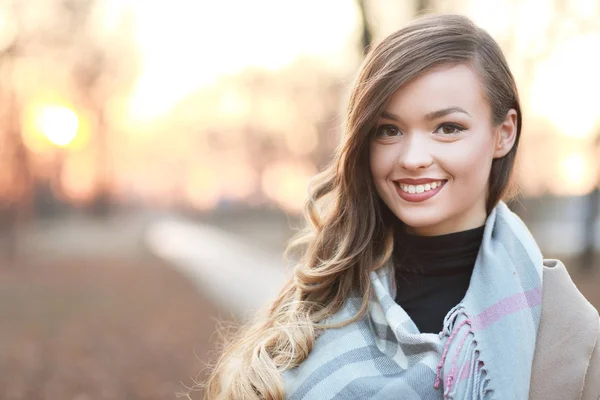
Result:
<point x="420" y="188"/>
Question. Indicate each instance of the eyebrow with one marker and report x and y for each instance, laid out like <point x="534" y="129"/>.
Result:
<point x="429" y="116"/>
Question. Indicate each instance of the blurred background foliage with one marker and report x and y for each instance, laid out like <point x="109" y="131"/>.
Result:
<point x="120" y="102"/>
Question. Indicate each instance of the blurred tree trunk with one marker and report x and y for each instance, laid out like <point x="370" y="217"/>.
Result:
<point x="366" y="33"/>
<point x="423" y="7"/>
<point x="102" y="203"/>
<point x="16" y="198"/>
<point x="590" y="238"/>
<point x="88" y="73"/>
<point x="592" y="213"/>
<point x="366" y="37"/>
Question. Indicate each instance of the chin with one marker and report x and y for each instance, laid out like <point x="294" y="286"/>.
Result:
<point x="421" y="220"/>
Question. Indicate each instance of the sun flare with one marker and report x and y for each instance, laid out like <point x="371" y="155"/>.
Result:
<point x="59" y="124"/>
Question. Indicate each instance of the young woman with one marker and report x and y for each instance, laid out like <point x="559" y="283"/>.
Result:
<point x="416" y="281"/>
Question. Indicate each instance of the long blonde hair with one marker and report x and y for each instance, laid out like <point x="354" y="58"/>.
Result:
<point x="349" y="229"/>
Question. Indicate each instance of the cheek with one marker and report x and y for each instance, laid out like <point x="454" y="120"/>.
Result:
<point x="469" y="161"/>
<point x="380" y="162"/>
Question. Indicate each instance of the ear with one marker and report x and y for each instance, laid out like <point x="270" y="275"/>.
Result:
<point x="506" y="134"/>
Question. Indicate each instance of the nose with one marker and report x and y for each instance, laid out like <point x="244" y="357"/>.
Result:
<point x="416" y="153"/>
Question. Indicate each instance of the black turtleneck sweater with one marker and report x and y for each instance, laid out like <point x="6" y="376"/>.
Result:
<point x="433" y="274"/>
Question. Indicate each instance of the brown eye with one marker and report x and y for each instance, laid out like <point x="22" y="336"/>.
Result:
<point x="449" y="129"/>
<point x="387" y="131"/>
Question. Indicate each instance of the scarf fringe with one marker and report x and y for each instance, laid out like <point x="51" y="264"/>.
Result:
<point x="477" y="381"/>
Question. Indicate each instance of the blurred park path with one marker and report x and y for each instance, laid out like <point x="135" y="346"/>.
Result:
<point x="237" y="262"/>
<point x="237" y="276"/>
<point x="89" y="313"/>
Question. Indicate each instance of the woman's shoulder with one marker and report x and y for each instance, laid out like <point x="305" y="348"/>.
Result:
<point x="567" y="354"/>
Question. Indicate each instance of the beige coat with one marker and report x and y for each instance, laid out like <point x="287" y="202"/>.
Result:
<point x="566" y="364"/>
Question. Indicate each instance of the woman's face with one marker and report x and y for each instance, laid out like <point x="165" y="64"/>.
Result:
<point x="432" y="151"/>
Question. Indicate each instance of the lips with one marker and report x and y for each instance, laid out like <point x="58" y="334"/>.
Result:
<point x="417" y="190"/>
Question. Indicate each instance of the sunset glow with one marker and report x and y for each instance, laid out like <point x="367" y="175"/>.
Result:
<point x="59" y="124"/>
<point x="577" y="175"/>
<point x="198" y="42"/>
<point x="566" y="86"/>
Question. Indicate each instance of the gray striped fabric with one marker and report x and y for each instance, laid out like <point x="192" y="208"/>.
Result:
<point x="484" y="351"/>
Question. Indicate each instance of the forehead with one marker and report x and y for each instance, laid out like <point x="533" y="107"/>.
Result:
<point x="443" y="87"/>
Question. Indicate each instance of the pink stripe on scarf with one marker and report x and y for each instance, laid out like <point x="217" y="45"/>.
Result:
<point x="507" y="306"/>
<point x="493" y="313"/>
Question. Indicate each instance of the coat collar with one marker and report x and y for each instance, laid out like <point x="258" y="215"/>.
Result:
<point x="567" y="335"/>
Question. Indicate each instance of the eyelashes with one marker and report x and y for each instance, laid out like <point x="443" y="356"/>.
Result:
<point x="387" y="131"/>
<point x="455" y="129"/>
<point x="444" y="129"/>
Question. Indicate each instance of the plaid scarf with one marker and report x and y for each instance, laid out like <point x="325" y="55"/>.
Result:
<point x="484" y="351"/>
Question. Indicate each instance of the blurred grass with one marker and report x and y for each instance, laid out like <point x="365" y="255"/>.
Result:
<point x="100" y="328"/>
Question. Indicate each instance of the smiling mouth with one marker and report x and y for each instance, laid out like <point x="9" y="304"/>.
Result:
<point x="422" y="188"/>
